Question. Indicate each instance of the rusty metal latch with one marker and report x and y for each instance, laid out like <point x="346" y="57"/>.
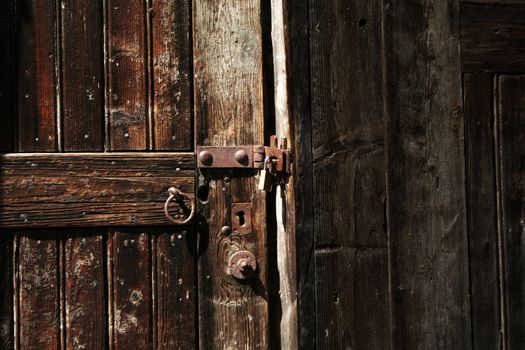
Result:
<point x="246" y="157"/>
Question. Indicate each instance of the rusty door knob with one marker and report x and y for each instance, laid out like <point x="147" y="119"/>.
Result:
<point x="176" y="194"/>
<point x="242" y="265"/>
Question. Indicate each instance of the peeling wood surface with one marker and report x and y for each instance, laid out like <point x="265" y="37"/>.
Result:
<point x="229" y="111"/>
<point x="126" y="81"/>
<point x="81" y="81"/>
<point x="130" y="284"/>
<point x="38" y="292"/>
<point x="172" y="73"/>
<point x="84" y="289"/>
<point x="39" y="190"/>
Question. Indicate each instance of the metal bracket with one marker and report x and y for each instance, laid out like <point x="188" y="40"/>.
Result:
<point x="245" y="157"/>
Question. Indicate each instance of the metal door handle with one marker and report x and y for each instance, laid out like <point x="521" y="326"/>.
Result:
<point x="177" y="195"/>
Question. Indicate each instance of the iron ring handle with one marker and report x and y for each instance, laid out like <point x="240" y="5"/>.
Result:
<point x="175" y="194"/>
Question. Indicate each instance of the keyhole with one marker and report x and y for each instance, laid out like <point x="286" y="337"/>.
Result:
<point x="240" y="216"/>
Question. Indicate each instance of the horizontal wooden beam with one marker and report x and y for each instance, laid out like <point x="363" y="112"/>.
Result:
<point x="90" y="189"/>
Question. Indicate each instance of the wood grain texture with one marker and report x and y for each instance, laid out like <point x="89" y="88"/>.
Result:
<point x="492" y="37"/>
<point x="285" y="193"/>
<point x="38" y="293"/>
<point x="172" y="74"/>
<point x="130" y="287"/>
<point x="7" y="76"/>
<point x="482" y="210"/>
<point x="426" y="181"/>
<point x="360" y="290"/>
<point x="6" y="291"/>
<point x="127" y="82"/>
<point x="175" y="294"/>
<point x="228" y="99"/>
<point x="300" y="143"/>
<point x="82" y="75"/>
<point x="37" y="24"/>
<point x="511" y="165"/>
<point x="349" y="163"/>
<point x="90" y="189"/>
<point x="85" y="285"/>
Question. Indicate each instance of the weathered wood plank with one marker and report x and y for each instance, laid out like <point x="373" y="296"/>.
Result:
<point x="7" y="76"/>
<point x="492" y="37"/>
<point x="228" y="99"/>
<point x="349" y="163"/>
<point x="426" y="182"/>
<point x="38" y="293"/>
<point x="511" y="165"/>
<point x="127" y="80"/>
<point x="90" y="189"/>
<point x="285" y="193"/>
<point x="300" y="143"/>
<point x="130" y="288"/>
<point x="85" y="304"/>
<point x="37" y="26"/>
<point x="175" y="294"/>
<point x="172" y="74"/>
<point x="6" y="292"/>
<point x="482" y="210"/>
<point x="82" y="80"/>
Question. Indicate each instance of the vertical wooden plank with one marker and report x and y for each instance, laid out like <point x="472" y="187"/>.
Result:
<point x="130" y="288"/>
<point x="85" y="308"/>
<point x="300" y="143"/>
<point x="36" y="76"/>
<point x="511" y="165"/>
<point x="426" y="181"/>
<point x="349" y="163"/>
<point x="482" y="210"/>
<point x="229" y="98"/>
<point x="7" y="77"/>
<point x="39" y="306"/>
<point x="175" y="289"/>
<point x="6" y="291"/>
<point x="81" y="68"/>
<point x="172" y="74"/>
<point x="127" y="78"/>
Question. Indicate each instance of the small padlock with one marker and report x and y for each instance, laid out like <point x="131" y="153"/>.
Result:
<point x="266" y="176"/>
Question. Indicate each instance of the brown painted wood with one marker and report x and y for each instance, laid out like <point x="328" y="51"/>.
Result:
<point x="6" y="291"/>
<point x="7" y="76"/>
<point x="229" y="111"/>
<point x="175" y="263"/>
<point x="39" y="190"/>
<point x="172" y="74"/>
<point x="492" y="37"/>
<point x="482" y="210"/>
<point x="37" y="24"/>
<point x="130" y="287"/>
<point x="38" y="291"/>
<point x="511" y="187"/>
<point x="127" y="80"/>
<point x="426" y="182"/>
<point x="82" y="80"/>
<point x="349" y="162"/>
<point x="85" y="288"/>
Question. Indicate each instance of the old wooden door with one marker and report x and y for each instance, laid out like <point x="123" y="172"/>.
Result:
<point x="102" y="104"/>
